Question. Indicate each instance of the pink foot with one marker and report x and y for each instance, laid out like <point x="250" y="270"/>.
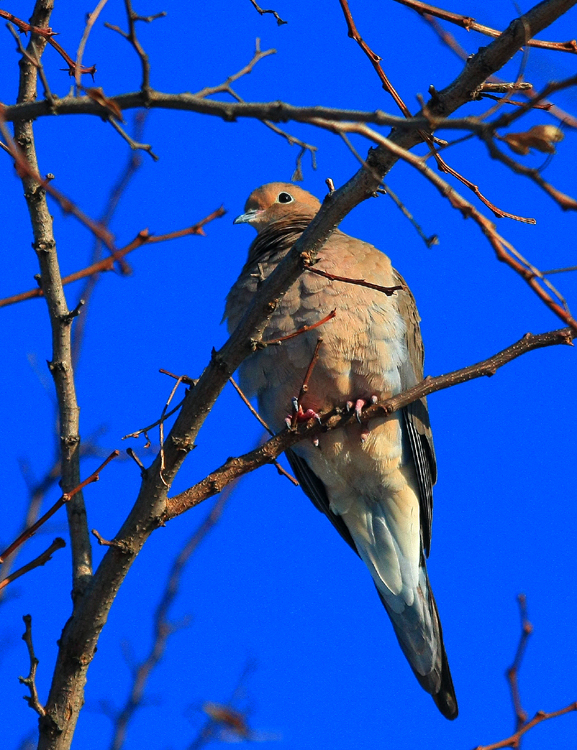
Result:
<point x="299" y="415"/>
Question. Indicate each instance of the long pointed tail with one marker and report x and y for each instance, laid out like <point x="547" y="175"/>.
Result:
<point x="418" y="636"/>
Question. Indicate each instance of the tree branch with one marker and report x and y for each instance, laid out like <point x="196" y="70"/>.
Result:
<point x="469" y="24"/>
<point x="339" y="417"/>
<point x="79" y="639"/>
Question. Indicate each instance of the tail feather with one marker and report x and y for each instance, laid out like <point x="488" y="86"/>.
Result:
<point x="415" y="635"/>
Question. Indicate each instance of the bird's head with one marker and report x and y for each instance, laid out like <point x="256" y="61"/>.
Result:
<point x="277" y="201"/>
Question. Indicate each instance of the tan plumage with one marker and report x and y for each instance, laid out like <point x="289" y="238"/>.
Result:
<point x="376" y="491"/>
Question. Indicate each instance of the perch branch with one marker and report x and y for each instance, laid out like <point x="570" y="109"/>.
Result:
<point x="338" y="417"/>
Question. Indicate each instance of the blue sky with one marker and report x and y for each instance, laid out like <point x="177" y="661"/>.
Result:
<point x="274" y="583"/>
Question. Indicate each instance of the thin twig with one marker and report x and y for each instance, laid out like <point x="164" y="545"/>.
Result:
<point x="42" y="559"/>
<point x="559" y="270"/>
<point x="300" y="331"/>
<point x="65" y="498"/>
<point x="374" y="59"/>
<point x="145" y="430"/>
<point x="30" y="681"/>
<point x="161" y="421"/>
<point x="279" y="20"/>
<point x="250" y="407"/>
<point x="90" y="21"/>
<point x="388" y="290"/>
<point x="281" y="470"/>
<point x="515" y="739"/>
<point x="107" y="264"/>
<point x="512" y="673"/>
<point x="134" y="145"/>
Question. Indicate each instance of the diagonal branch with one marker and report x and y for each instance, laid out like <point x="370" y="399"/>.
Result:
<point x="469" y="24"/>
<point x="339" y="417"/>
<point x="107" y="264"/>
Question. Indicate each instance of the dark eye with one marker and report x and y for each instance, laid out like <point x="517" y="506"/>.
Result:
<point x="285" y="198"/>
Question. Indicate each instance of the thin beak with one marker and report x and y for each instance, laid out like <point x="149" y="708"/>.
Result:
<point x="248" y="217"/>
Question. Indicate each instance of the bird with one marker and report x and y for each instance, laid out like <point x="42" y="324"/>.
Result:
<point x="373" y="482"/>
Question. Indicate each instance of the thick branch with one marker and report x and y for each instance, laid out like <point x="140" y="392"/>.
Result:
<point x="61" y="364"/>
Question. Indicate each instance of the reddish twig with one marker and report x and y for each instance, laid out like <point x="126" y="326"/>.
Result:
<point x="503" y="249"/>
<point x="374" y="59"/>
<point x="42" y="559"/>
<point x="468" y="23"/>
<point x="281" y="470"/>
<point x="258" y="9"/>
<point x="388" y="290"/>
<point x="512" y="673"/>
<point x="514" y="740"/>
<point x="298" y="413"/>
<point x="310" y="368"/>
<point x="48" y="34"/>
<point x="304" y="329"/>
<point x="107" y="264"/>
<point x="66" y="497"/>
<point x="499" y="213"/>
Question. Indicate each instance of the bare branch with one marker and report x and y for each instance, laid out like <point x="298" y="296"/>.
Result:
<point x="468" y="23"/>
<point x="512" y="672"/>
<point x="47" y="35"/>
<point x="162" y="627"/>
<point x="107" y="264"/>
<point x="339" y="417"/>
<point x="279" y="20"/>
<point x="30" y="681"/>
<point x="79" y="639"/>
<point x="503" y="249"/>
<point x="42" y="559"/>
<point x="65" y="498"/>
<point x="91" y="20"/>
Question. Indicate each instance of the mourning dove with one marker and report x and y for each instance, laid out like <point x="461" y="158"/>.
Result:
<point x="373" y="482"/>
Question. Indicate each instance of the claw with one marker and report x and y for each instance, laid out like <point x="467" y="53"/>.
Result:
<point x="295" y="403"/>
<point x="349" y="405"/>
<point x="374" y="399"/>
<point x="360" y="402"/>
<point x="316" y="443"/>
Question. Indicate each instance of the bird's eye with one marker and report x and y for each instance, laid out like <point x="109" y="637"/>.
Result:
<point x="285" y="198"/>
